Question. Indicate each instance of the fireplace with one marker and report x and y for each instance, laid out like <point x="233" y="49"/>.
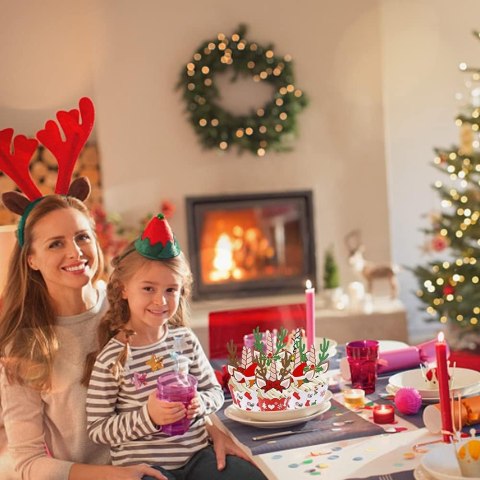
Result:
<point x="251" y="244"/>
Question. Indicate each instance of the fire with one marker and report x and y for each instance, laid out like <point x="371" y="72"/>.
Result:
<point x="223" y="261"/>
<point x="243" y="253"/>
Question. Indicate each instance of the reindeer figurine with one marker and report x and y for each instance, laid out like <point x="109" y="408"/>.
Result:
<point x="368" y="270"/>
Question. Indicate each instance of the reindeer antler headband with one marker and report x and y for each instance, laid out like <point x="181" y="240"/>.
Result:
<point x="15" y="161"/>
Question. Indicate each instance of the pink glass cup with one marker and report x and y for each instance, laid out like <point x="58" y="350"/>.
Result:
<point x="362" y="356"/>
<point x="176" y="387"/>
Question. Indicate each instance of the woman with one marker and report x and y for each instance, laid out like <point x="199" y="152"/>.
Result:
<point x="51" y="308"/>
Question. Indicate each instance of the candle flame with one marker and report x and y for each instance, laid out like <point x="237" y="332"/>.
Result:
<point x="441" y="337"/>
<point x="308" y="284"/>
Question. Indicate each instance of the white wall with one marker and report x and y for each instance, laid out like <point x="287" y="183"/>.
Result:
<point x="423" y="43"/>
<point x="381" y="77"/>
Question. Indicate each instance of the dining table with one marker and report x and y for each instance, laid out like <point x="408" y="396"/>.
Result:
<point x="340" y="443"/>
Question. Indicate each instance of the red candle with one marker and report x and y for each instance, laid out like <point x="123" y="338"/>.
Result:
<point x="310" y="311"/>
<point x="443" y="386"/>
<point x="383" y="414"/>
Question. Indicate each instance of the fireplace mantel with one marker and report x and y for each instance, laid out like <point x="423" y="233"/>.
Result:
<point x="388" y="320"/>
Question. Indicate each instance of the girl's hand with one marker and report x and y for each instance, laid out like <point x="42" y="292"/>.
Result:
<point x="194" y="407"/>
<point x="162" y="412"/>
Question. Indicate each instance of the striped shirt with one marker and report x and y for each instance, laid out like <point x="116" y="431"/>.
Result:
<point x="117" y="412"/>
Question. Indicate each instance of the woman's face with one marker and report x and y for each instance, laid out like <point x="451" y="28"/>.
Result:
<point x="64" y="250"/>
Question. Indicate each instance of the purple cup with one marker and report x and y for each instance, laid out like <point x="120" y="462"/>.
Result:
<point x="362" y="356"/>
<point x="176" y="387"/>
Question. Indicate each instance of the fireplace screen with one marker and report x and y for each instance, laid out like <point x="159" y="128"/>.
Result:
<point x="255" y="244"/>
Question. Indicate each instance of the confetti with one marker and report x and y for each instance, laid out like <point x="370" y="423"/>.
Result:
<point x="408" y="455"/>
<point x="323" y="465"/>
<point x="320" y="452"/>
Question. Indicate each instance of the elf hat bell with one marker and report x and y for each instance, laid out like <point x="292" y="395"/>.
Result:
<point x="157" y="241"/>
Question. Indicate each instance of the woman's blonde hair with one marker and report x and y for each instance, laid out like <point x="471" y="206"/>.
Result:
<point x="28" y="341"/>
<point x="125" y="266"/>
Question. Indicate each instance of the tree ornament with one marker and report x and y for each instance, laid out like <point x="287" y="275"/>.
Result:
<point x="271" y="126"/>
<point x="439" y="243"/>
<point x="448" y="290"/>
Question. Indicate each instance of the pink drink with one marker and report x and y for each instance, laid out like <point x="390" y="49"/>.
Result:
<point x="362" y="356"/>
<point x="176" y="387"/>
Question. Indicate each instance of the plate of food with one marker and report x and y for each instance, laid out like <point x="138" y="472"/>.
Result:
<point x="234" y="413"/>
<point x="464" y="382"/>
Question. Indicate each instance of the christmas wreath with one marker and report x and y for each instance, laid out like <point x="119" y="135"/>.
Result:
<point x="272" y="126"/>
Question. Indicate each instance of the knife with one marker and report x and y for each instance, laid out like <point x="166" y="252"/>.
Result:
<point x="287" y="432"/>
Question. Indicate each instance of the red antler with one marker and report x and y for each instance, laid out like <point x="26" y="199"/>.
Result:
<point x="76" y="134"/>
<point x="15" y="164"/>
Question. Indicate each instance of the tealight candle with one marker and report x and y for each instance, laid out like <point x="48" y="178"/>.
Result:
<point x="383" y="414"/>
<point x="354" y="397"/>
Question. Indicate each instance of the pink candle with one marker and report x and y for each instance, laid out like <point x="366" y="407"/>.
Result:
<point x="443" y="386"/>
<point x="310" y="311"/>
<point x="383" y="414"/>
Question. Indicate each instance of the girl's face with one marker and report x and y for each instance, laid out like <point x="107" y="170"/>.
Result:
<point x="64" y="250"/>
<point x="153" y="295"/>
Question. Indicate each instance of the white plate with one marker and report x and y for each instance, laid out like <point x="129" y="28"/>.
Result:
<point x="231" y="412"/>
<point x="440" y="462"/>
<point x="465" y="382"/>
<point x="282" y="415"/>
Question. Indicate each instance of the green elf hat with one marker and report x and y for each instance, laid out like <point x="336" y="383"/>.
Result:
<point x="157" y="241"/>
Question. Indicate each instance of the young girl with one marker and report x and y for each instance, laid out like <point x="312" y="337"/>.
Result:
<point x="144" y="335"/>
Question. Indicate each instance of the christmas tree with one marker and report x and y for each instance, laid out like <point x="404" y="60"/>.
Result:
<point x="330" y="271"/>
<point x="450" y="285"/>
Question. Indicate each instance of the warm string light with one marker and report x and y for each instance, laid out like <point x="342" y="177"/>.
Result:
<point x="259" y="133"/>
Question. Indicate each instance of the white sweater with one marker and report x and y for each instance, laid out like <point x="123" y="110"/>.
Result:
<point x="56" y="419"/>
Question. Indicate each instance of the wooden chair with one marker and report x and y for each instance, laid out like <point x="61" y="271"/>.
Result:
<point x="227" y="325"/>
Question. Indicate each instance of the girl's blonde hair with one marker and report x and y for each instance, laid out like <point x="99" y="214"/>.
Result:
<point x="28" y="342"/>
<point x="125" y="266"/>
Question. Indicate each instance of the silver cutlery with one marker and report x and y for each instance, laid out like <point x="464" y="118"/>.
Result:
<point x="287" y="432"/>
<point x="336" y="428"/>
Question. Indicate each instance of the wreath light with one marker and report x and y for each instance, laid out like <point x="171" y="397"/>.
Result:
<point x="271" y="126"/>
